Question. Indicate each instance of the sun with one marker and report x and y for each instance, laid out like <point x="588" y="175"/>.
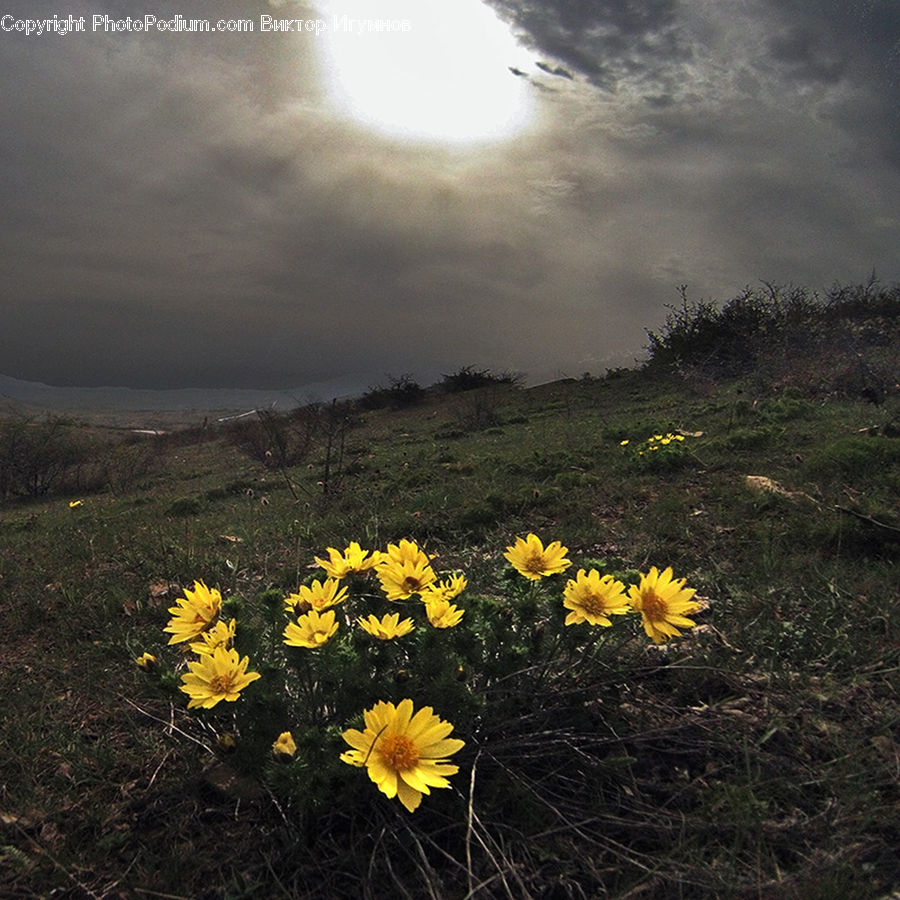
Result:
<point x="440" y="72"/>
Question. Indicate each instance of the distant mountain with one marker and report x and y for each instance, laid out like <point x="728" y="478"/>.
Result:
<point x="32" y="394"/>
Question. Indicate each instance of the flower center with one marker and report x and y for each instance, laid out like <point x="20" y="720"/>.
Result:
<point x="653" y="607"/>
<point x="411" y="583"/>
<point x="398" y="752"/>
<point x="535" y="562"/>
<point x="593" y="604"/>
<point x="220" y="684"/>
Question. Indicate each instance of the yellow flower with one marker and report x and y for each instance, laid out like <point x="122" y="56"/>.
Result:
<point x="593" y="598"/>
<point x="351" y="562"/>
<point x="530" y="559"/>
<point x="662" y="601"/>
<point x="442" y="614"/>
<point x="405" y="551"/>
<point x="311" y="630"/>
<point x="405" y="754"/>
<point x="388" y="627"/>
<point x="400" y="580"/>
<point x="220" y="635"/>
<point x="319" y="596"/>
<point x="624" y="443"/>
<point x="146" y="661"/>
<point x="284" y="747"/>
<point x="74" y="503"/>
<point x="444" y="590"/>
<point x="194" y="613"/>
<point x="220" y="675"/>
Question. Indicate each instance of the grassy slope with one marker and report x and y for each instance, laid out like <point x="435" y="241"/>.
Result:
<point x="758" y="758"/>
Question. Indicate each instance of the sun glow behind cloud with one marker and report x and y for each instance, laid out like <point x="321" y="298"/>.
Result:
<point x="444" y="79"/>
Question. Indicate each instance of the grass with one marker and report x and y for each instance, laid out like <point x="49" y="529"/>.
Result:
<point x="757" y="757"/>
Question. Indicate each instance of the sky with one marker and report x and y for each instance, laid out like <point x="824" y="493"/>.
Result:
<point x="520" y="185"/>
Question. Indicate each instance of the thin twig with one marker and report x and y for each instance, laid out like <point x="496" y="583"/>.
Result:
<point x="869" y="519"/>
<point x="170" y="725"/>
<point x="471" y="811"/>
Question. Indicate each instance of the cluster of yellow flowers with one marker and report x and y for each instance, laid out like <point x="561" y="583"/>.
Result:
<point x="656" y="442"/>
<point x="404" y="571"/>
<point x="219" y="673"/>
<point x="661" y="600"/>
<point x="404" y="752"/>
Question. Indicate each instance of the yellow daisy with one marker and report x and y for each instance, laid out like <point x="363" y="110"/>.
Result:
<point x="442" y="614"/>
<point x="445" y="590"/>
<point x="353" y="561"/>
<point x="220" y="675"/>
<point x="320" y="595"/>
<point x="593" y="598"/>
<point x="400" y="580"/>
<point x="388" y="627"/>
<point x="284" y="747"/>
<point x="194" y="613"/>
<point x="146" y="661"/>
<point x="530" y="559"/>
<point x="220" y="635"/>
<point x="662" y="602"/>
<point x="311" y="630"/>
<point x="405" y="754"/>
<point x="405" y="551"/>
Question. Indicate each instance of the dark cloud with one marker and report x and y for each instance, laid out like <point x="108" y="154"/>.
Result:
<point x="605" y="42"/>
<point x="189" y="210"/>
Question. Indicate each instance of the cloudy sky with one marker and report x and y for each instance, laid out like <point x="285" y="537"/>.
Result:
<point x="269" y="209"/>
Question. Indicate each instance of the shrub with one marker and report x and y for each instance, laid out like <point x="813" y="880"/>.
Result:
<point x="468" y="378"/>
<point x="838" y="344"/>
<point x="36" y="456"/>
<point x="402" y="391"/>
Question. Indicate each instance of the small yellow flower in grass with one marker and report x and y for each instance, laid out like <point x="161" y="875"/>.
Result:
<point x="624" y="443"/>
<point x="320" y="595"/>
<point x="284" y="747"/>
<point x="662" y="602"/>
<point x="388" y="627"/>
<point x="530" y="559"/>
<point x="594" y="598"/>
<point x="405" y="754"/>
<point x="353" y="561"/>
<point x="220" y="675"/>
<point x="400" y="580"/>
<point x="311" y="630"/>
<point x="220" y="635"/>
<point x="146" y="661"/>
<point x="442" y="614"/>
<point x="194" y="613"/>
<point x="74" y="503"/>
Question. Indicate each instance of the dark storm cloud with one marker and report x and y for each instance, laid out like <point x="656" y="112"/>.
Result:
<point x="181" y="210"/>
<point x="605" y="42"/>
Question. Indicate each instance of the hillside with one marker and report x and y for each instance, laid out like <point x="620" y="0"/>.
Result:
<point x="754" y="756"/>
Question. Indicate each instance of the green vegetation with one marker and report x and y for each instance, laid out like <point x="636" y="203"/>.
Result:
<point x="754" y="757"/>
